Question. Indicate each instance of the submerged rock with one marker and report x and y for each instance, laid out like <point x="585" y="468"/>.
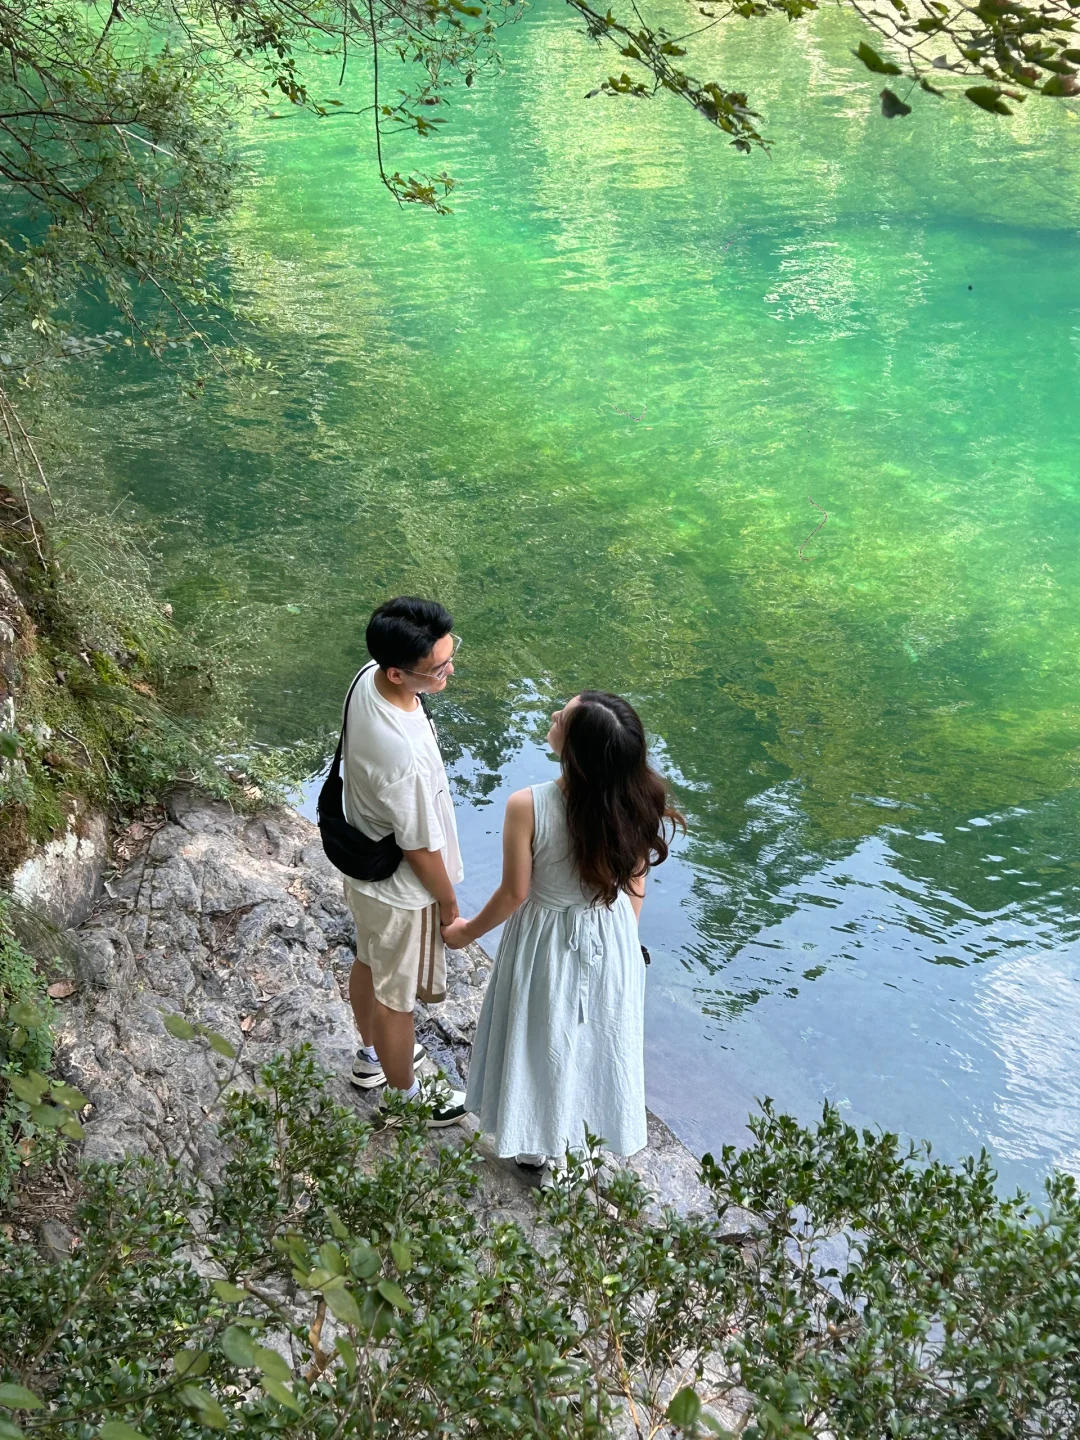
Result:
<point x="240" y="923"/>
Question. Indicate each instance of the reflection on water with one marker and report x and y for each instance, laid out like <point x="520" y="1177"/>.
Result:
<point x="928" y="981"/>
<point x="587" y="410"/>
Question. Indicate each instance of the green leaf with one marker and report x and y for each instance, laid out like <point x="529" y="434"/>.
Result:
<point x="685" y="1409"/>
<point x="178" y="1027"/>
<point x="892" y="105"/>
<point x="29" y="1087"/>
<point x="988" y="97"/>
<point x="335" y="1223"/>
<point x="382" y="1324"/>
<point x="271" y="1363"/>
<point x="281" y="1393"/>
<point x="191" y="1362"/>
<point x="237" y="1345"/>
<point x="393" y="1294"/>
<point x="402" y="1256"/>
<point x="1062" y="85"/>
<point x="48" y="1117"/>
<point x="10" y="1431"/>
<point x="17" y="1397"/>
<point x="342" y="1304"/>
<point x="72" y="1129"/>
<point x="67" y="1095"/>
<point x="220" y="1044"/>
<point x="25" y="1014"/>
<point x="873" y="61"/>
<point x="364" y="1261"/>
<point x="117" y="1430"/>
<point x="210" y="1412"/>
<point x="332" y="1258"/>
<point x="347" y="1350"/>
<point x="231" y="1294"/>
<point x="9" y="744"/>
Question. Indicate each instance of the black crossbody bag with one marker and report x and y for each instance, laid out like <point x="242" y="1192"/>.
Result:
<point x="348" y="849"/>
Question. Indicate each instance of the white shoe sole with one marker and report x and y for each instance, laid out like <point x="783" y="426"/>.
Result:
<point x="371" y="1082"/>
<point x="390" y="1122"/>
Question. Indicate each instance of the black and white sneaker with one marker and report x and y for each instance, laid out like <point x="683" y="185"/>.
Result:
<point x="447" y="1107"/>
<point x="531" y="1162"/>
<point x="367" y="1075"/>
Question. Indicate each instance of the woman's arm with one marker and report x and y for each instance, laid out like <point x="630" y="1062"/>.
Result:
<point x="517" y="873"/>
<point x="637" y="893"/>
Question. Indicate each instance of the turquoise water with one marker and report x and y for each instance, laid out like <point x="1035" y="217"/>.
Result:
<point x="600" y="410"/>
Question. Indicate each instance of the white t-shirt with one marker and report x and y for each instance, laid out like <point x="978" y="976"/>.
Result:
<point x="395" y="780"/>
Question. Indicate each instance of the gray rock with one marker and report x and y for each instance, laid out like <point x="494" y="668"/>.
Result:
<point x="241" y="924"/>
<point x="104" y="958"/>
<point x="64" y="877"/>
<point x="56" y="1239"/>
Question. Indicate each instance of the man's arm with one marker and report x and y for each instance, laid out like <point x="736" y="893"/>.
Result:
<point x="430" y="869"/>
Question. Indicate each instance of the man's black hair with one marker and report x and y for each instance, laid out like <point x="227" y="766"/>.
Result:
<point x="405" y="630"/>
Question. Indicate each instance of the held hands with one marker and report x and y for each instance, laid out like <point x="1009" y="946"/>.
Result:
<point x="456" y="934"/>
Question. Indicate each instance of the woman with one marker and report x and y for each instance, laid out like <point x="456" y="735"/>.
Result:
<point x="560" y="1042"/>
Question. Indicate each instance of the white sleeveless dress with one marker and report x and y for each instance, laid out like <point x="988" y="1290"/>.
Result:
<point x="560" y="1042"/>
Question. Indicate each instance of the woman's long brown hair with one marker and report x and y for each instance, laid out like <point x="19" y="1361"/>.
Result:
<point x="618" y="812"/>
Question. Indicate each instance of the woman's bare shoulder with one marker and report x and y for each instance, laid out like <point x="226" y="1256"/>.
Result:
<point x="520" y="803"/>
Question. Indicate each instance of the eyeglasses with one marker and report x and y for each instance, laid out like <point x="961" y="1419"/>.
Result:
<point x="439" y="670"/>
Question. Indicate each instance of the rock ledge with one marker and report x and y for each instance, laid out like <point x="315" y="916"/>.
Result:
<point x="240" y="923"/>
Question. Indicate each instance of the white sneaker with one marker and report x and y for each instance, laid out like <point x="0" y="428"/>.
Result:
<point x="529" y="1161"/>
<point x="447" y="1106"/>
<point x="367" y="1075"/>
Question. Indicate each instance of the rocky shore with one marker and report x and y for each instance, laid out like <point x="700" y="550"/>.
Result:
<point x="239" y="922"/>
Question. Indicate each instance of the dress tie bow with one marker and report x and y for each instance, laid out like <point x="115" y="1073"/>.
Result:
<point x="585" y="941"/>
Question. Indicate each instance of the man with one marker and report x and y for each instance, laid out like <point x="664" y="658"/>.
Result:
<point x="395" y="781"/>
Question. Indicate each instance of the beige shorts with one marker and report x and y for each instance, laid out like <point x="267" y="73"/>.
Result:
<point x="403" y="949"/>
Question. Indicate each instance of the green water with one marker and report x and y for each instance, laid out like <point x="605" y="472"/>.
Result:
<point x="589" y="410"/>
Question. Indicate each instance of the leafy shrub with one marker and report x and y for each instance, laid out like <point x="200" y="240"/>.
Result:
<point x="113" y="702"/>
<point x="32" y="1108"/>
<point x="331" y="1282"/>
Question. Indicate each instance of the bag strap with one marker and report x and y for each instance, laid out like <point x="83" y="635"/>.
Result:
<point x="424" y="706"/>
<point x="345" y="713"/>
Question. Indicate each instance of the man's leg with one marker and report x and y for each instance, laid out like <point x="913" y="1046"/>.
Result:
<point x="386" y="937"/>
<point x="383" y="992"/>
<point x="362" y="1000"/>
<point x="391" y="1032"/>
<point x="395" y="1040"/>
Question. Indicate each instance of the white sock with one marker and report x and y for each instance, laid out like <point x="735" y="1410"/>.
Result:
<point x="368" y="1052"/>
<point x="410" y="1094"/>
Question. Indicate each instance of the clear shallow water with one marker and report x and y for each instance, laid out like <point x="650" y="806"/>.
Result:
<point x="875" y="738"/>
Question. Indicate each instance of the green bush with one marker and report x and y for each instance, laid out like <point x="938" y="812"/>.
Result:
<point x="32" y="1109"/>
<point x="114" y="702"/>
<point x="331" y="1282"/>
